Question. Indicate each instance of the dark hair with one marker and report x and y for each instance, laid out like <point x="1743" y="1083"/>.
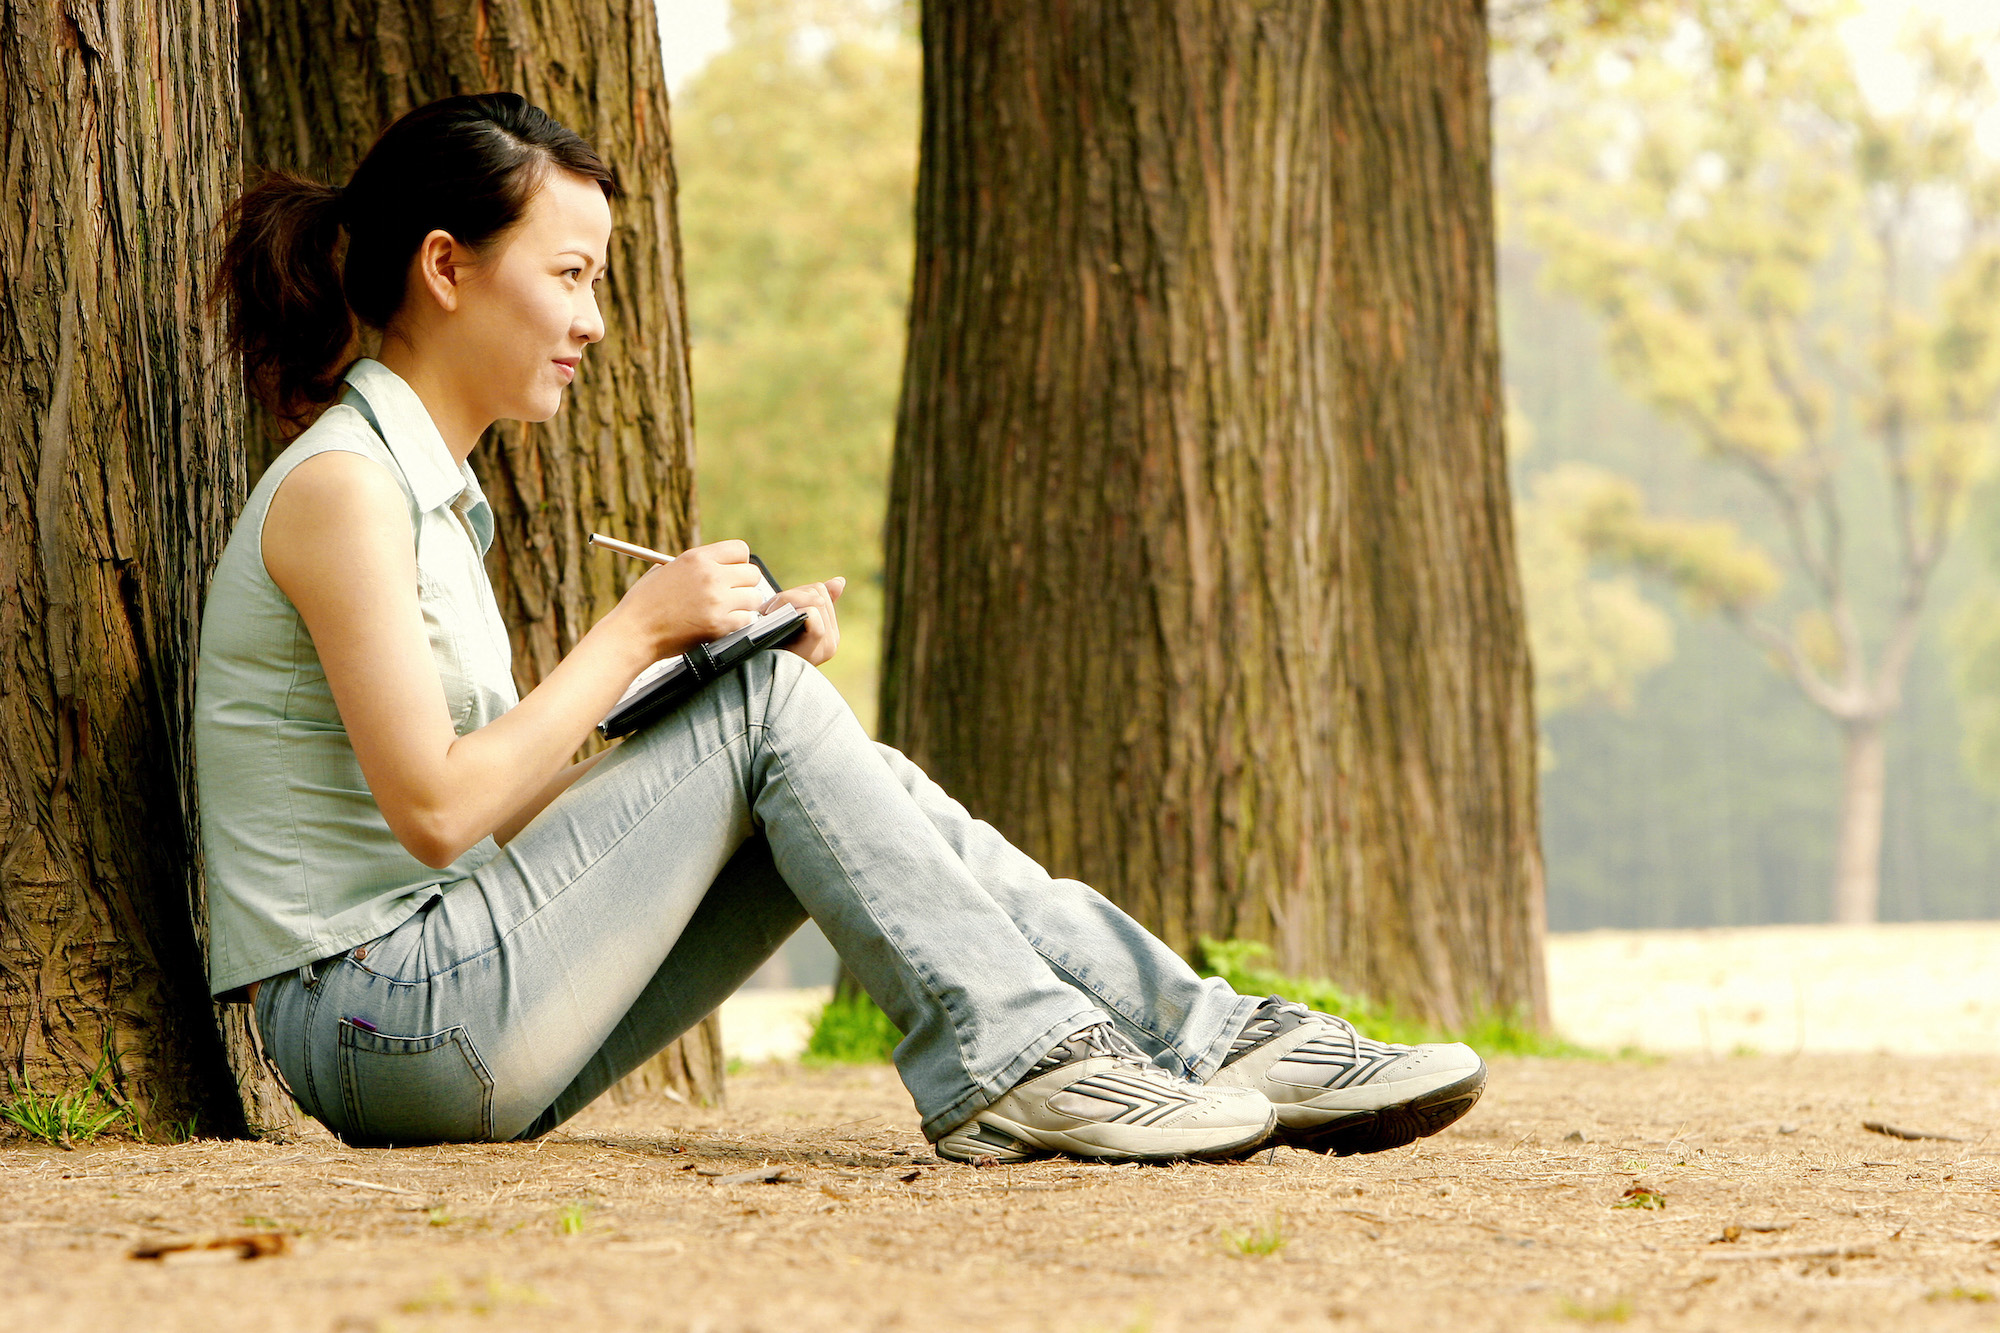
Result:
<point x="464" y="165"/>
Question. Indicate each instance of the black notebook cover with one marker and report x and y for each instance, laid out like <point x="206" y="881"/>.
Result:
<point x="664" y="686"/>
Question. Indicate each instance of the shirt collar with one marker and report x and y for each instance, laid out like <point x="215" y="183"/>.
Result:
<point x="436" y="479"/>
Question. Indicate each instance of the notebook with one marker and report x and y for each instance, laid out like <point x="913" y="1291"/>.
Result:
<point x="668" y="683"/>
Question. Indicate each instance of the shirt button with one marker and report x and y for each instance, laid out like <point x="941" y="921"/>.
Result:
<point x="361" y="953"/>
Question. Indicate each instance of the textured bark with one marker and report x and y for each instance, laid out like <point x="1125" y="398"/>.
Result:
<point x="320" y="82"/>
<point x="120" y="463"/>
<point x="1201" y="580"/>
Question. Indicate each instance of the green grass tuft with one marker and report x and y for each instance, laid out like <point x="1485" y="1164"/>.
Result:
<point x="70" y="1118"/>
<point x="1239" y="962"/>
<point x="1258" y="1241"/>
<point x="1615" y="1311"/>
<point x="851" y="1030"/>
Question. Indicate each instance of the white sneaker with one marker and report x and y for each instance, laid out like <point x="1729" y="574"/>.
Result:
<point x="1097" y="1095"/>
<point x="1337" y="1091"/>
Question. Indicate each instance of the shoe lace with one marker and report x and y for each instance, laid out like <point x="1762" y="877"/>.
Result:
<point x="1097" y="1039"/>
<point x="1283" y="1015"/>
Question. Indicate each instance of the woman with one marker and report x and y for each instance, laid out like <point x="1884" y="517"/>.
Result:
<point x="450" y="932"/>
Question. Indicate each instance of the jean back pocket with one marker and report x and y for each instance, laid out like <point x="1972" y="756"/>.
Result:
<point x="408" y="1090"/>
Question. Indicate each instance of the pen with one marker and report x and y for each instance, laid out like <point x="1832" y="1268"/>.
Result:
<point x="627" y="548"/>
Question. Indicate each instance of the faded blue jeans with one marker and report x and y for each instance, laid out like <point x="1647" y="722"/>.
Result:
<point x="650" y="890"/>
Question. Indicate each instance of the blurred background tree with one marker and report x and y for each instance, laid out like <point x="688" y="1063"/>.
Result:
<point x="798" y="152"/>
<point x="1805" y="285"/>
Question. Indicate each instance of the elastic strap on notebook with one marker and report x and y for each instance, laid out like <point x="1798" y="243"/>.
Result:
<point x="702" y="664"/>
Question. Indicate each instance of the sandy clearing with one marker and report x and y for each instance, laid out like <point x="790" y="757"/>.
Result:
<point x="1500" y="1223"/>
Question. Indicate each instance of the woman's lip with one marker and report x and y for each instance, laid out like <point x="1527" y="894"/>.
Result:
<point x="568" y="369"/>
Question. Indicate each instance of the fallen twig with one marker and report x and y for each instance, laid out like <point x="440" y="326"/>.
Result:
<point x="1794" y="1252"/>
<point x="257" y="1245"/>
<point x="1896" y="1132"/>
<point x="765" y="1175"/>
<point x="371" y="1185"/>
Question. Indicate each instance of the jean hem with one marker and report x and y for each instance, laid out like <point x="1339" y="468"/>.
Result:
<point x="984" y="1093"/>
<point x="1217" y="1050"/>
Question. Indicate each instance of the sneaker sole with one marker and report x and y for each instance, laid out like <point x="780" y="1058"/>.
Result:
<point x="1029" y="1143"/>
<point x="1390" y="1126"/>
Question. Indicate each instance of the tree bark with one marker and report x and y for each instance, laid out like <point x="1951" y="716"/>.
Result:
<point x="1857" y="876"/>
<point x="120" y="464"/>
<point x="320" y="82"/>
<point x="1201" y="568"/>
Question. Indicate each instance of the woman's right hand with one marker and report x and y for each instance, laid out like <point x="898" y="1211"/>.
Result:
<point x="705" y="593"/>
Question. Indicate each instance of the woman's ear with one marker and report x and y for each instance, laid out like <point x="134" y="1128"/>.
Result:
<point x="441" y="265"/>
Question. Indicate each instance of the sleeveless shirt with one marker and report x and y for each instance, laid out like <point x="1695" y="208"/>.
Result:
<point x="300" y="862"/>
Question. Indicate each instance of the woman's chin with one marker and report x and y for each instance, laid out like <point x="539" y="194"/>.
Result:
<point x="544" y="405"/>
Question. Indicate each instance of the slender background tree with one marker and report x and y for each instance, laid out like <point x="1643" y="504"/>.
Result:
<point x="1200" y="567"/>
<point x="1766" y="252"/>
<point x="319" y="83"/>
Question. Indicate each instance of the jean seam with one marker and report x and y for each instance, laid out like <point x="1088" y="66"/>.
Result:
<point x="568" y="884"/>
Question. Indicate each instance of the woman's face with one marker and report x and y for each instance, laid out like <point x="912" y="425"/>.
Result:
<point x="528" y="308"/>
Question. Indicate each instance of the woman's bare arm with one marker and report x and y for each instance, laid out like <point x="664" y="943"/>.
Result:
<point x="539" y="802"/>
<point x="337" y="541"/>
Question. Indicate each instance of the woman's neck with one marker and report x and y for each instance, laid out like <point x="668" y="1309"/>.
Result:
<point x="458" y="421"/>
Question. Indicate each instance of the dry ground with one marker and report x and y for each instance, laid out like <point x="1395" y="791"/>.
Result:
<point x="626" y="1219"/>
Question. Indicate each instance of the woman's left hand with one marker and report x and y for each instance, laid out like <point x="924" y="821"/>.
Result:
<point x="821" y="637"/>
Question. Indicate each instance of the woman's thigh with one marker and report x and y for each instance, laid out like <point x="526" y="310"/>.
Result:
<point x="468" y="1019"/>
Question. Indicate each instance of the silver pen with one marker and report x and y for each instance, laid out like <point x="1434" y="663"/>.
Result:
<point x="627" y="548"/>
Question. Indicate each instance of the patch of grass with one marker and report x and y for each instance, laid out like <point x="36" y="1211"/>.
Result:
<point x="1615" y="1311"/>
<point x="1268" y="1238"/>
<point x="569" y="1220"/>
<point x="1973" y="1295"/>
<point x="261" y="1223"/>
<point x="66" y="1119"/>
<point x="1240" y="963"/>
<point x="490" y="1295"/>
<point x="851" y="1030"/>
<point x="439" y="1217"/>
<point x="1641" y="1196"/>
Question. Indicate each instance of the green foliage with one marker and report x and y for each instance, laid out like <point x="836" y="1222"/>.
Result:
<point x="1712" y="565"/>
<point x="1264" y="1239"/>
<point x="64" y="1119"/>
<point x="1641" y="1196"/>
<point x="1975" y="650"/>
<point x="851" y="1030"/>
<point x="570" y="1219"/>
<point x="1614" y="1311"/>
<point x="1593" y="638"/>
<point x="1237" y="962"/>
<point x="797" y="151"/>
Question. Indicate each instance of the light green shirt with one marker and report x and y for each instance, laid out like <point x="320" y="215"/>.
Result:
<point x="300" y="862"/>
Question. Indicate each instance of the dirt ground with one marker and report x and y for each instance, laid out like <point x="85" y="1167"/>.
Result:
<point x="628" y="1218"/>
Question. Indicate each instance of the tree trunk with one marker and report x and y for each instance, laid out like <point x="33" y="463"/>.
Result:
<point x="1201" y="569"/>
<point x="120" y="464"/>
<point x="320" y="82"/>
<point x="1857" y="874"/>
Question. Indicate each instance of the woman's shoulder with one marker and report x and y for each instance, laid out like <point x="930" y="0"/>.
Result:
<point x="340" y="434"/>
<point x="341" y="428"/>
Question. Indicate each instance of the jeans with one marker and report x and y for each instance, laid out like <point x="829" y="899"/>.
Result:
<point x="646" y="893"/>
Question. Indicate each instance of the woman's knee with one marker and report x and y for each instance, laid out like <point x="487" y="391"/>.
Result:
<point x="792" y="684"/>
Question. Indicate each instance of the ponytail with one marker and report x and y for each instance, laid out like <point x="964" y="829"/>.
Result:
<point x="463" y="165"/>
<point x="280" y="280"/>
